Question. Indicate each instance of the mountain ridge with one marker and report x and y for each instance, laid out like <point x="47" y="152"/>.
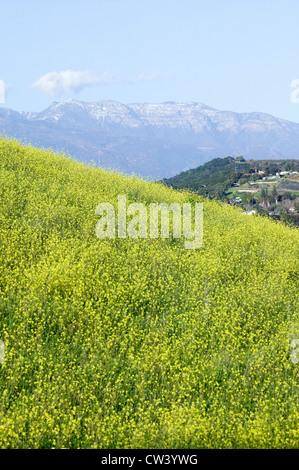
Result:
<point x="154" y="140"/>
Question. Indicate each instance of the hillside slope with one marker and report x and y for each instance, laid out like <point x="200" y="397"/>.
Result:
<point x="139" y="343"/>
<point x="219" y="174"/>
<point x="269" y="187"/>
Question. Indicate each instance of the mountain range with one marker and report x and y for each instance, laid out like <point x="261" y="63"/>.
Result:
<point x="152" y="140"/>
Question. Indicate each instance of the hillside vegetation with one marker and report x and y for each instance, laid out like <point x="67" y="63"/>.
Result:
<point x="218" y="175"/>
<point x="123" y="343"/>
<point x="269" y="187"/>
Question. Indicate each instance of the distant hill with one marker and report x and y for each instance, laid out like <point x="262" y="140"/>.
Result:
<point x="268" y="187"/>
<point x="219" y="174"/>
<point x="152" y="140"/>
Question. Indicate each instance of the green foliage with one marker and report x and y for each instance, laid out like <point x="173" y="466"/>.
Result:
<point x="219" y="174"/>
<point x="214" y="176"/>
<point x="139" y="343"/>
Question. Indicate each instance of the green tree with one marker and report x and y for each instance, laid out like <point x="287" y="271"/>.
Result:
<point x="264" y="194"/>
<point x="274" y="195"/>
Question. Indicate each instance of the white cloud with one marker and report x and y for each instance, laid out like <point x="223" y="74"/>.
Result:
<point x="57" y="83"/>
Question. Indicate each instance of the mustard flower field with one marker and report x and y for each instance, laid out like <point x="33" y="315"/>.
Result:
<point x="140" y="343"/>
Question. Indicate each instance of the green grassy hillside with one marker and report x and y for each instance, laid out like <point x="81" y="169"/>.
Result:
<point x="139" y="343"/>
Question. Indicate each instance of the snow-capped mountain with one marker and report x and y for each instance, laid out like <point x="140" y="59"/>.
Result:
<point x="153" y="140"/>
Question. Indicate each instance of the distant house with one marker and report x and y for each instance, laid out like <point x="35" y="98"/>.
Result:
<point x="273" y="177"/>
<point x="274" y="212"/>
<point x="249" y="212"/>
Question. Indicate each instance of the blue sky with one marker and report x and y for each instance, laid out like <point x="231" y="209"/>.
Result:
<point x="239" y="55"/>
